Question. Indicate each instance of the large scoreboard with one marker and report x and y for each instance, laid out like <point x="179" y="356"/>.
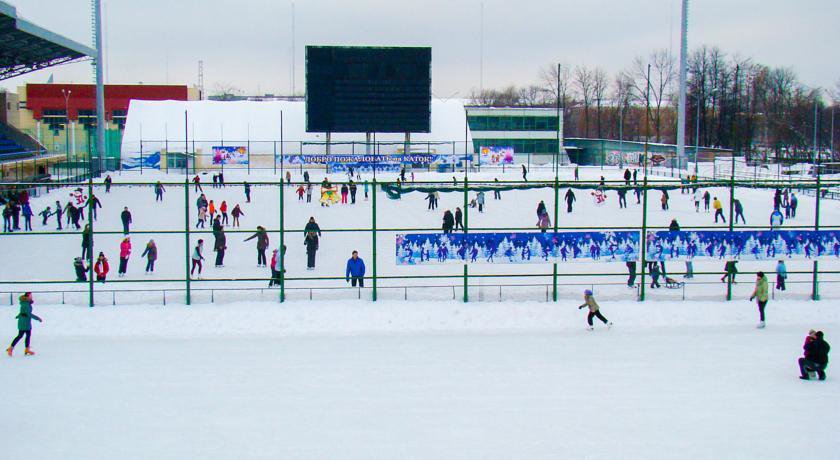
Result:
<point x="368" y="89"/>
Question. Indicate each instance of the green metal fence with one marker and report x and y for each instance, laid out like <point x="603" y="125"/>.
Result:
<point x="550" y="276"/>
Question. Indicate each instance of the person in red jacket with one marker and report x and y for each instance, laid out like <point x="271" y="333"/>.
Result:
<point x="101" y="267"/>
<point x="300" y="190"/>
<point x="223" y="208"/>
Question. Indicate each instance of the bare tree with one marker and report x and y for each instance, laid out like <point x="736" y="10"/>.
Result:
<point x="226" y="91"/>
<point x="506" y="97"/>
<point x="534" y="96"/>
<point x="662" y="74"/>
<point x="599" y="89"/>
<point x="584" y="84"/>
<point x="621" y="99"/>
<point x="549" y="81"/>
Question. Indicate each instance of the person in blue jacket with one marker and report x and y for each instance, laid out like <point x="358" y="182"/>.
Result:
<point x="355" y="271"/>
<point x="781" y="275"/>
<point x="776" y="219"/>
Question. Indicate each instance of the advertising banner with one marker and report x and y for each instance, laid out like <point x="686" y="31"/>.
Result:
<point x="743" y="245"/>
<point x="362" y="162"/>
<point x="496" y="155"/>
<point x="516" y="248"/>
<point x="230" y="155"/>
<point x="149" y="161"/>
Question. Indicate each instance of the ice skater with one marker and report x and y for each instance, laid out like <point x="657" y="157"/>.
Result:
<point x="24" y="317"/>
<point x="197" y="257"/>
<point x="761" y="296"/>
<point x="594" y="310"/>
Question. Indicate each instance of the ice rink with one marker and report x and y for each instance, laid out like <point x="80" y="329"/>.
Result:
<point x="419" y="380"/>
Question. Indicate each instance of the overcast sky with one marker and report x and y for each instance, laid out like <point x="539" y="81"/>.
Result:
<point x="247" y="43"/>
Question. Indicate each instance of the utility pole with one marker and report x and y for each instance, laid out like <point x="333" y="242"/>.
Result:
<point x="481" y="50"/>
<point x="200" y="80"/>
<point x="292" y="71"/>
<point x="66" y="95"/>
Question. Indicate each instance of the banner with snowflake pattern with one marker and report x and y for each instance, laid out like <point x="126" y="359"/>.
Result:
<point x="742" y="245"/>
<point x="516" y="248"/>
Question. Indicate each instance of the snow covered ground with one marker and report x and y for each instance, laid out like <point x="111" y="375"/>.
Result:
<point x="419" y="380"/>
<point x="337" y="377"/>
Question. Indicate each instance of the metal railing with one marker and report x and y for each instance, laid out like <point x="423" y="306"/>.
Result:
<point x="463" y="281"/>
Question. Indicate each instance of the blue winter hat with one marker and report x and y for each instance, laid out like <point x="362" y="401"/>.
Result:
<point x="587" y="292"/>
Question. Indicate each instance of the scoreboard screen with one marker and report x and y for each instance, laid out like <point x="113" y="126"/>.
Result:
<point x="368" y="89"/>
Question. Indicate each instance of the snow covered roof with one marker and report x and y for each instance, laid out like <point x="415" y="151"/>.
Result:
<point x="259" y="121"/>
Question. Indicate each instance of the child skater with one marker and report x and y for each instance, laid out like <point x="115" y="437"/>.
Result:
<point x="589" y="301"/>
<point x="24" y="324"/>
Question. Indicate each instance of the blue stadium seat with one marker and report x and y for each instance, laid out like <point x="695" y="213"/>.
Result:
<point x="9" y="148"/>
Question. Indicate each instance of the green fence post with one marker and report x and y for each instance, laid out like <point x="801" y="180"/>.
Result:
<point x="815" y="284"/>
<point x="373" y="232"/>
<point x="731" y="215"/>
<point x="466" y="226"/>
<point x="643" y="240"/>
<point x="90" y="222"/>
<point x="282" y="241"/>
<point x="556" y="201"/>
<point x="187" y="236"/>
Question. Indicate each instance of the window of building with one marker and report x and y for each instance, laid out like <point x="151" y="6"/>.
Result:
<point x="512" y="123"/>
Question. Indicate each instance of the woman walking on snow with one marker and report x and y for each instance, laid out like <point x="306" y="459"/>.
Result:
<point x="594" y="310"/>
<point x="24" y="318"/>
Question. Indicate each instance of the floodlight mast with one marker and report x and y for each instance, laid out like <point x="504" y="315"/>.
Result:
<point x="100" y="89"/>
<point x="683" y="78"/>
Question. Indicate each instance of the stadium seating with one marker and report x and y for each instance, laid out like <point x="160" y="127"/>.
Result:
<point x="9" y="148"/>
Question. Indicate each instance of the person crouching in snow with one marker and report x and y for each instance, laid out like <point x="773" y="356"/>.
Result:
<point x="594" y="309"/>
<point x="81" y="270"/>
<point x="816" y="356"/>
<point x="24" y="318"/>
<point x="101" y="267"/>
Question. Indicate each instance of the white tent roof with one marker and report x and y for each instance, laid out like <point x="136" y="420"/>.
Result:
<point x="160" y="123"/>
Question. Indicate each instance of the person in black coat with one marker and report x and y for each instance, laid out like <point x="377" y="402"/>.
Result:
<point x="431" y="198"/>
<point x="627" y="176"/>
<point x="87" y="239"/>
<point x="459" y="219"/>
<point x="570" y="199"/>
<point x="311" y="243"/>
<point x="448" y="221"/>
<point x="353" y="190"/>
<point x="541" y="209"/>
<point x="674" y="226"/>
<point x="311" y="226"/>
<point x="816" y="356"/>
<point x="125" y="216"/>
<point x="220" y="245"/>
